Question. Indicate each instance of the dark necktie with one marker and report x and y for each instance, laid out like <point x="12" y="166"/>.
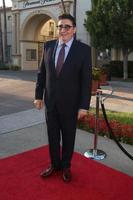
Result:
<point x="60" y="59"/>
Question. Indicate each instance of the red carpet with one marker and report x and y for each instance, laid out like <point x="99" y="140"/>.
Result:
<point x="20" y="180"/>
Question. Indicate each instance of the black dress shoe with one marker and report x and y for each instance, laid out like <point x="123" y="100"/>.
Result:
<point x="49" y="171"/>
<point x="66" y="175"/>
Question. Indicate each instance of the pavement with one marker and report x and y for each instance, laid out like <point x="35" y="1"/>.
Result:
<point x="23" y="128"/>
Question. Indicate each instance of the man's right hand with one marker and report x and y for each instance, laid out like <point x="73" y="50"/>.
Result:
<point x="38" y="104"/>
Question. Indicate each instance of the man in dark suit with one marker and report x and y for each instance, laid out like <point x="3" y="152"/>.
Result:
<point x="64" y="79"/>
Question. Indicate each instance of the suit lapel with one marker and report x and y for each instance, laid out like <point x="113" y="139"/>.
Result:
<point x="53" y="56"/>
<point x="54" y="51"/>
<point x="70" y="56"/>
<point x="71" y="53"/>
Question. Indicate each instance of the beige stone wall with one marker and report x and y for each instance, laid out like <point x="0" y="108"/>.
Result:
<point x="28" y="65"/>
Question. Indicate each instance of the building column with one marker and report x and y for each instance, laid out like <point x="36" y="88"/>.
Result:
<point x="14" y="49"/>
<point x="16" y="39"/>
<point x="18" y="32"/>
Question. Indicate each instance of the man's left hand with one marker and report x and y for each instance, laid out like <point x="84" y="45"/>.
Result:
<point x="81" y="114"/>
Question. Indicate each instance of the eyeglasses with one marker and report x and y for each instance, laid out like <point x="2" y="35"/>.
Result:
<point x="66" y="27"/>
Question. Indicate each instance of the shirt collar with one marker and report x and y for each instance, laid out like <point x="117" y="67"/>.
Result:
<point x="68" y="44"/>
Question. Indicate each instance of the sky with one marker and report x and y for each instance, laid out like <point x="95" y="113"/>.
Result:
<point x="7" y="2"/>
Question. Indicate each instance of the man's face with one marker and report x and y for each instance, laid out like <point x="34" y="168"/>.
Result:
<point x="65" y="30"/>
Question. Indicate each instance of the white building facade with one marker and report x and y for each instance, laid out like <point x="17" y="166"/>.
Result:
<point x="34" y="22"/>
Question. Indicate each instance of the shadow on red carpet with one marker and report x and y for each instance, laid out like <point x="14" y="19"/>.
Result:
<point x="20" y="180"/>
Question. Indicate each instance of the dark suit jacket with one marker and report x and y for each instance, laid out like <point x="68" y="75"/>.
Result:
<point x="72" y="89"/>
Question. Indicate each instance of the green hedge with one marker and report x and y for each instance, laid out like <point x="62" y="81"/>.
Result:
<point x="3" y="66"/>
<point x="116" y="68"/>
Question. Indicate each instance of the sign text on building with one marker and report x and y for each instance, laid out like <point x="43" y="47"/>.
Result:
<point x="35" y="3"/>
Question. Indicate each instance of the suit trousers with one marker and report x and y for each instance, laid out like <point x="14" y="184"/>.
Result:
<point x="61" y="127"/>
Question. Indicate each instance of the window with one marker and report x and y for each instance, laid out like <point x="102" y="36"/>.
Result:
<point x="31" y="54"/>
<point x="51" y="28"/>
<point x="9" y="17"/>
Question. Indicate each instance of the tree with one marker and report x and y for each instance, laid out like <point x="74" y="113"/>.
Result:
<point x="5" y="33"/>
<point x="75" y="12"/>
<point x="74" y="8"/>
<point x="1" y="43"/>
<point x="63" y="6"/>
<point x="110" y="24"/>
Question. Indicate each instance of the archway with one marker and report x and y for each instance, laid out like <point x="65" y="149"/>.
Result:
<point x="36" y="29"/>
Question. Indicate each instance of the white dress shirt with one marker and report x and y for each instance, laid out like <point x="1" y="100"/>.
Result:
<point x="67" y="48"/>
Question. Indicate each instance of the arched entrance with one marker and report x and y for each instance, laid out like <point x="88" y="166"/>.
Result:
<point x="35" y="30"/>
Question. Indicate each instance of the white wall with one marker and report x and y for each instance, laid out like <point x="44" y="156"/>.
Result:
<point x="82" y="7"/>
<point x="28" y="65"/>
